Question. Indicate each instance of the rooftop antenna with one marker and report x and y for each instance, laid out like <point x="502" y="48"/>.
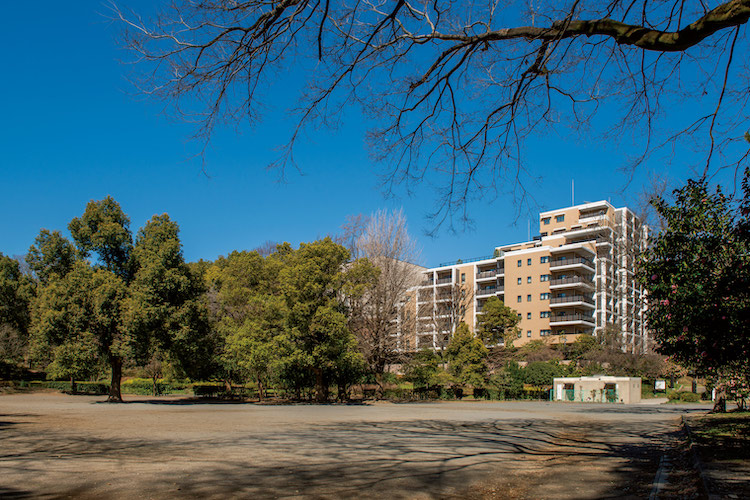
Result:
<point x="572" y="192"/>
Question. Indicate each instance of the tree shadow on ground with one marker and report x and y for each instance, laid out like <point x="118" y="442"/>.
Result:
<point x="545" y="458"/>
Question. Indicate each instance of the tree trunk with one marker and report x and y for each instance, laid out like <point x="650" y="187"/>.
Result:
<point x="260" y="390"/>
<point x="73" y="386"/>
<point x="321" y="390"/>
<point x="115" y="396"/>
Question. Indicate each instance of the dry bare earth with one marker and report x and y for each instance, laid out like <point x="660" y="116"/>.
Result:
<point x="58" y="446"/>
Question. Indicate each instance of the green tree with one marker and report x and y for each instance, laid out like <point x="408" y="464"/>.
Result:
<point x="251" y="348"/>
<point x="423" y="370"/>
<point x="497" y="322"/>
<point x="311" y="281"/>
<point x="76" y="312"/>
<point x="50" y="255"/>
<point x="164" y="312"/>
<point x="103" y="234"/>
<point x="697" y="275"/>
<point x="541" y="373"/>
<point x="247" y="315"/>
<point x="16" y="293"/>
<point x="467" y="357"/>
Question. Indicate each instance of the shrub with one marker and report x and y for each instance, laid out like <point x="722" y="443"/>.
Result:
<point x="689" y="397"/>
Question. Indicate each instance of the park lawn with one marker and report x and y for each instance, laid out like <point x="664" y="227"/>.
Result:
<point x="723" y="441"/>
<point x="724" y="433"/>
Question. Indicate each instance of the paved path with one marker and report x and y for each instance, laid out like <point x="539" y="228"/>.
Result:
<point x="57" y="446"/>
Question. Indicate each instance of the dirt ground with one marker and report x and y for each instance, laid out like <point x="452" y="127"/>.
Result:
<point x="59" y="446"/>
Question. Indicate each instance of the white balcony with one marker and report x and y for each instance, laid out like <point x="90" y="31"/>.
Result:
<point x="571" y="264"/>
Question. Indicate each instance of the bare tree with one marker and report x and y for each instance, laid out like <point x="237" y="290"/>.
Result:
<point x="454" y="88"/>
<point x="379" y="315"/>
<point x="451" y="304"/>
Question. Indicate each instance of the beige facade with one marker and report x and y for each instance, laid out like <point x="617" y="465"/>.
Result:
<point x="601" y="389"/>
<point x="575" y="278"/>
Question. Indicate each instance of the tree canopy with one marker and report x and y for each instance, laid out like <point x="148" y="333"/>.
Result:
<point x="454" y="88"/>
<point x="697" y="274"/>
<point x="467" y="357"/>
<point x="497" y="322"/>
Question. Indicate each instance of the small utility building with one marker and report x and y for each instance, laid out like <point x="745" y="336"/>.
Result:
<point x="597" y="389"/>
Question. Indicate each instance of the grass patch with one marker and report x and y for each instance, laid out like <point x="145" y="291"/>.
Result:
<point x="724" y="435"/>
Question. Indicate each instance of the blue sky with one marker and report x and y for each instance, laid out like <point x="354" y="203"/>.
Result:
<point x="72" y="131"/>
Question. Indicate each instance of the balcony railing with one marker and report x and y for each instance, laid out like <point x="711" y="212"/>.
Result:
<point x="486" y="274"/>
<point x="570" y="280"/>
<point x="572" y="317"/>
<point x="427" y="283"/>
<point x="443" y="281"/>
<point x="570" y="262"/>
<point x="490" y="290"/>
<point x="572" y="298"/>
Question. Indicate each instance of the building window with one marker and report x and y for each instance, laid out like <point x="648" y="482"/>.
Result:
<point x="546" y="220"/>
<point x="544" y="234"/>
<point x="544" y="260"/>
<point x="528" y="333"/>
<point x="519" y="281"/>
<point x="528" y="298"/>
<point x="528" y="262"/>
<point x="544" y="296"/>
<point x="544" y="314"/>
<point x="528" y="315"/>
<point x="463" y="277"/>
<point x="544" y="333"/>
<point x="463" y="310"/>
<point x="519" y="316"/>
<point x="560" y="218"/>
<point x="519" y="299"/>
<point x="520" y="262"/>
<point x="519" y="334"/>
<point x="528" y="279"/>
<point x="545" y="277"/>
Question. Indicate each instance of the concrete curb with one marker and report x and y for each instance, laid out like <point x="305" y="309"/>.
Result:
<point x="697" y="461"/>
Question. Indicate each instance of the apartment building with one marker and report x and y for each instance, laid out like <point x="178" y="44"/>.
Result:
<point x="576" y="277"/>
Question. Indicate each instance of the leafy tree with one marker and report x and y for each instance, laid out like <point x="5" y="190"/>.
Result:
<point x="455" y="83"/>
<point x="311" y="280"/>
<point x="467" y="357"/>
<point x="103" y="232"/>
<point x="164" y="310"/>
<point x="508" y="380"/>
<point x="583" y="345"/>
<point x="76" y="358"/>
<point x="540" y="373"/>
<point x="423" y="370"/>
<point x="497" y="322"/>
<point x="247" y="314"/>
<point x="252" y="347"/>
<point x="77" y="317"/>
<point x="129" y="300"/>
<point x="697" y="274"/>
<point x="50" y="255"/>
<point x="16" y="292"/>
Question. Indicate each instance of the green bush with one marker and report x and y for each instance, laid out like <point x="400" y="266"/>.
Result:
<point x="689" y="397"/>
<point x="399" y="394"/>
